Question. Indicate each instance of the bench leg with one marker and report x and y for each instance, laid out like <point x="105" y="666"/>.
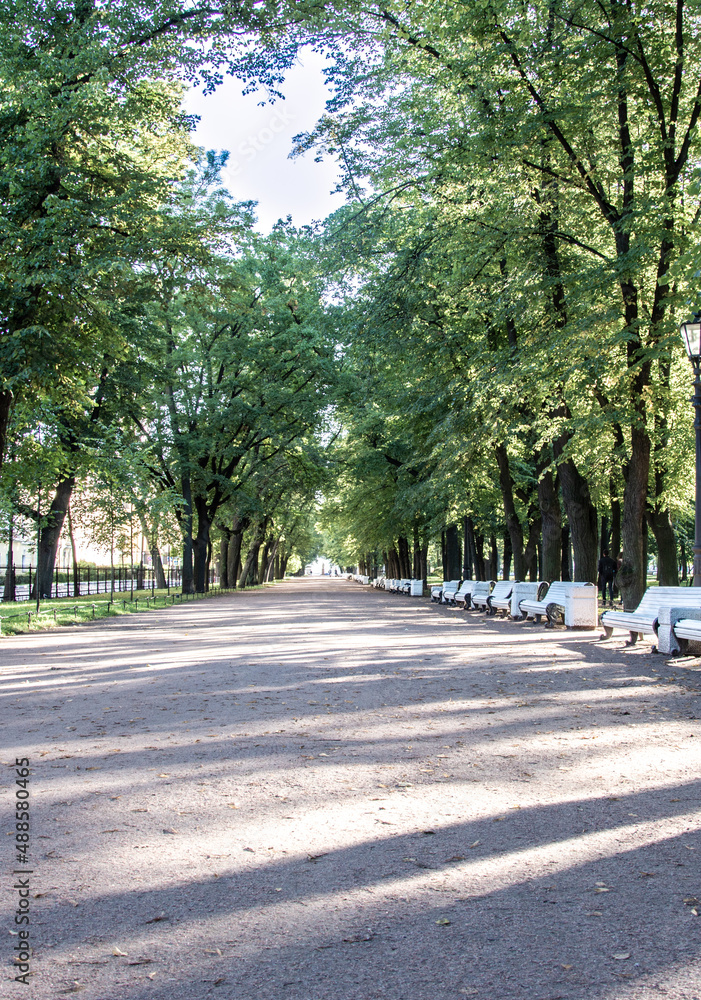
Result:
<point x="633" y="639"/>
<point x="608" y="632"/>
<point x="536" y="619"/>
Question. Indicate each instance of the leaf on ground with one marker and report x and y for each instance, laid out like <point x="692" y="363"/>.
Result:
<point x="169" y="829"/>
<point x="621" y="956"/>
<point x="563" y="966"/>
<point x="356" y="938"/>
<point x="118" y="953"/>
<point x="456" y="857"/>
<point x="443" y="922"/>
<point x="156" y="920"/>
<point x="476" y="843"/>
<point x="141" y="961"/>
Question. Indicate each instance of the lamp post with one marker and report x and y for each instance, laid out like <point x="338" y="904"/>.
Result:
<point x="691" y="334"/>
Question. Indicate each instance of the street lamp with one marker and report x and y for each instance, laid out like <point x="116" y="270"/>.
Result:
<point x="691" y="335"/>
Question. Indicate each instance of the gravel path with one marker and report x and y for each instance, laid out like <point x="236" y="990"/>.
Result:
<point x="317" y="791"/>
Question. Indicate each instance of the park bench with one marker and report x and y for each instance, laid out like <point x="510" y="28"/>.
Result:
<point x="480" y="591"/>
<point x="502" y="593"/>
<point x="577" y="602"/>
<point x="437" y="592"/>
<point x="456" y="592"/>
<point x="644" y="620"/>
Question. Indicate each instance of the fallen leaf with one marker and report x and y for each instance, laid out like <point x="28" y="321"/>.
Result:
<point x="141" y="961"/>
<point x="443" y="922"/>
<point x="456" y="857"/>
<point x="621" y="956"/>
<point x="118" y="953"/>
<point x="359" y="937"/>
<point x="169" y="829"/>
<point x="562" y="966"/>
<point x="212" y="951"/>
<point x="476" y="843"/>
<point x="157" y="920"/>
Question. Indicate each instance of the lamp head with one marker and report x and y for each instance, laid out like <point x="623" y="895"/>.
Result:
<point x="691" y="335"/>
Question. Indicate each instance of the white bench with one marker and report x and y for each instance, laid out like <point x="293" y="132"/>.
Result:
<point x="447" y="587"/>
<point x="479" y="591"/>
<point x="579" y="601"/>
<point x="437" y="590"/>
<point x="457" y="595"/>
<point x="643" y="621"/>
<point x="520" y="592"/>
<point x="502" y="593"/>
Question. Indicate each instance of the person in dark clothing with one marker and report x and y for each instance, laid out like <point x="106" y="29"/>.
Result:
<point x="607" y="574"/>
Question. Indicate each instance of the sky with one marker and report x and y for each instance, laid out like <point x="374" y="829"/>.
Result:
<point x="259" y="140"/>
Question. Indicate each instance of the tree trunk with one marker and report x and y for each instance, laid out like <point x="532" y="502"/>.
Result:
<point x="513" y="525"/>
<point x="452" y="545"/>
<point x="272" y="563"/>
<point x="493" y="558"/>
<point x="250" y="567"/>
<point x="188" y="581"/>
<point x="233" y="552"/>
<point x="200" y="545"/>
<point x="661" y="526"/>
<point x="615" y="545"/>
<point x="566" y="554"/>
<point x="404" y="560"/>
<point x="480" y="567"/>
<point x="530" y="553"/>
<point x="551" y="520"/>
<point x="467" y="561"/>
<point x="506" y="573"/>
<point x="49" y="536"/>
<point x="76" y="569"/>
<point x="581" y="516"/>
<point x="682" y="547"/>
<point x="631" y="577"/>
<point x="8" y="592"/>
<point x="265" y="556"/>
<point x="223" y="562"/>
<point x="444" y="556"/>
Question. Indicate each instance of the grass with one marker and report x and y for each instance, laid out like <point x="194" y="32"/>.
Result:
<point x="21" y="616"/>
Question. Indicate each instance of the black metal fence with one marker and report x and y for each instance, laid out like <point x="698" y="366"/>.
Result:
<point x="82" y="581"/>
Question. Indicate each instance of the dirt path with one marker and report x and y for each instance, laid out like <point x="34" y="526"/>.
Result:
<point x="322" y="792"/>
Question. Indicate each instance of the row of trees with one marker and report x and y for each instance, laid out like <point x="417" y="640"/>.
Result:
<point x="520" y="248"/>
<point x="158" y="355"/>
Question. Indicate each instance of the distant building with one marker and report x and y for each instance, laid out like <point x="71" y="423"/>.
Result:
<point x="322" y="567"/>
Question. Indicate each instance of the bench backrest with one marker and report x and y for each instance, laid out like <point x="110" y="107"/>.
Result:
<point x="466" y="588"/>
<point x="481" y="587"/>
<point x="451" y="585"/>
<point x="502" y="590"/>
<point x="655" y="598"/>
<point x="557" y="591"/>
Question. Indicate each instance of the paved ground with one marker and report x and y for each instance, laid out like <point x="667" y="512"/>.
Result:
<point x="322" y="792"/>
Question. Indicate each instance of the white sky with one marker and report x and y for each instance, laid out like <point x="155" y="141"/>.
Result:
<point x="259" y="140"/>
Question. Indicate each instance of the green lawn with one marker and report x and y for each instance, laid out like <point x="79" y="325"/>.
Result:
<point x="21" y="616"/>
